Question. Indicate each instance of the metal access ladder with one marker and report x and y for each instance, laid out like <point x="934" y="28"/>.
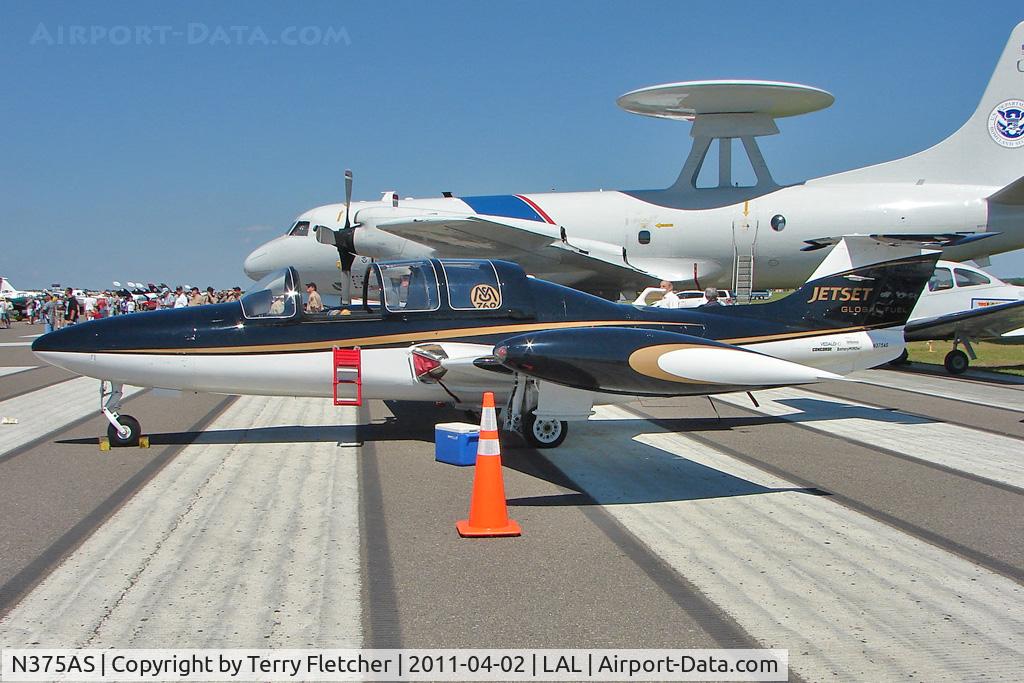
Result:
<point x="348" y="377"/>
<point x="743" y="277"/>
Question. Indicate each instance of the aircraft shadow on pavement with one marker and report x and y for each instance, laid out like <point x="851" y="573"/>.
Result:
<point x="386" y="431"/>
<point x="812" y="410"/>
<point x="411" y="422"/>
<point x="678" y="479"/>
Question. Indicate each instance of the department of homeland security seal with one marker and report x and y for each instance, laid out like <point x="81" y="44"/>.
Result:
<point x="1006" y="123"/>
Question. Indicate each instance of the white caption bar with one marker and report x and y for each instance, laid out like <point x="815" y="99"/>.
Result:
<point x="392" y="665"/>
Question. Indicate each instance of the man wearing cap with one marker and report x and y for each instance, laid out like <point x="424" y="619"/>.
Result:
<point x="180" y="298"/>
<point x="315" y="304"/>
<point x="195" y="299"/>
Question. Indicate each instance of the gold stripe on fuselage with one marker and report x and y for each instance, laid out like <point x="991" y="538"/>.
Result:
<point x="463" y="332"/>
<point x="423" y="336"/>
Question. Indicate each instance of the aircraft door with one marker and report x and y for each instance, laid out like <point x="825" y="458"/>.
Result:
<point x="744" y="244"/>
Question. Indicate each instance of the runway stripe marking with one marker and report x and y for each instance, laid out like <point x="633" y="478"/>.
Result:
<point x="849" y="596"/>
<point x="47" y="410"/>
<point x="16" y="344"/>
<point x="15" y="369"/>
<point x="982" y="454"/>
<point x="253" y="542"/>
<point x="992" y="395"/>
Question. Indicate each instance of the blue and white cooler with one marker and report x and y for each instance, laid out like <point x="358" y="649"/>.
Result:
<point x="455" y="443"/>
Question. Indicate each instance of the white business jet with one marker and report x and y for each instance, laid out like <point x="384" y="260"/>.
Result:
<point x="964" y="304"/>
<point x="727" y="234"/>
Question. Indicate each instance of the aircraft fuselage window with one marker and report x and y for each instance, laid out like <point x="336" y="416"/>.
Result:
<point x="968" y="278"/>
<point x="300" y="229"/>
<point x="472" y="285"/>
<point x="941" y="279"/>
<point x="644" y="237"/>
<point x="410" y="287"/>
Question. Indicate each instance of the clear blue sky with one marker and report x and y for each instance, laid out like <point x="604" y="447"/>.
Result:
<point x="169" y="162"/>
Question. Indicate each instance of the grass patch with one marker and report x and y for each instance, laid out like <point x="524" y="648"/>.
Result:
<point x="997" y="357"/>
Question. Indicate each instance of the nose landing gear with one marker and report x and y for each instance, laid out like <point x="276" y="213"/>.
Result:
<point x="123" y="430"/>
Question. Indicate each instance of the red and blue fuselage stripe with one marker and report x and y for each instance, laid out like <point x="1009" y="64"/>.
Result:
<point x="508" y="206"/>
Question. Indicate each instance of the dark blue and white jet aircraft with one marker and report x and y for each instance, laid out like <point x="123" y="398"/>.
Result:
<point x="448" y="329"/>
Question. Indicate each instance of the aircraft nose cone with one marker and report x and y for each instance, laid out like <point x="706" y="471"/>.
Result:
<point x="69" y="339"/>
<point x="255" y="265"/>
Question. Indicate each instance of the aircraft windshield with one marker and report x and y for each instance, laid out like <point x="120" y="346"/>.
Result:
<point x="300" y="229"/>
<point x="275" y="296"/>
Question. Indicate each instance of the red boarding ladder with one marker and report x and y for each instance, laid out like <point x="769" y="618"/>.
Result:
<point x="348" y="377"/>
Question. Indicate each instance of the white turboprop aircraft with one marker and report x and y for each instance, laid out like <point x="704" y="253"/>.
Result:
<point x="726" y="235"/>
<point x="964" y="304"/>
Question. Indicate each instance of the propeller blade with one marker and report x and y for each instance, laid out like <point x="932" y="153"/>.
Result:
<point x="348" y="195"/>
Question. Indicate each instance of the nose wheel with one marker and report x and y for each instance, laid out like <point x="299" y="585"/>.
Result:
<point x="127" y="435"/>
<point x="123" y="430"/>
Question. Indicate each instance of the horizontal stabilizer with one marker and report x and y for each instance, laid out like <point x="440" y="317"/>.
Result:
<point x="933" y="241"/>
<point x="1012" y="194"/>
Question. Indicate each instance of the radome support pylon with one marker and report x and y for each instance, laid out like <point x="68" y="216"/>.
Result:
<point x="488" y="512"/>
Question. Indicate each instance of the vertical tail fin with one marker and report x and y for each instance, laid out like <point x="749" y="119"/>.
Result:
<point x="862" y="283"/>
<point x="987" y="150"/>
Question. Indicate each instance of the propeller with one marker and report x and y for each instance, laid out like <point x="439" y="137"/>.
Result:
<point x="344" y="241"/>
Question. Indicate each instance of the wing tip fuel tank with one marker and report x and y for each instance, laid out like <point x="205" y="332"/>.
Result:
<point x="722" y="365"/>
<point x="647" y="362"/>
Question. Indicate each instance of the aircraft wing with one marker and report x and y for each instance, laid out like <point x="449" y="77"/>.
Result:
<point x="988" y="322"/>
<point x="476" y="236"/>
<point x="532" y="244"/>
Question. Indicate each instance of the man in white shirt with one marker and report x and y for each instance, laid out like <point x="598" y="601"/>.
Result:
<point x="180" y="298"/>
<point x="670" y="299"/>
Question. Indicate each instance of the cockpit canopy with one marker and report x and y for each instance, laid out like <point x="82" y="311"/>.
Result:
<point x="428" y="285"/>
<point x="274" y="296"/>
<point x="442" y="287"/>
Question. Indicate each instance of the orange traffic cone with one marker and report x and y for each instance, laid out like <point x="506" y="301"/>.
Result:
<point x="488" y="514"/>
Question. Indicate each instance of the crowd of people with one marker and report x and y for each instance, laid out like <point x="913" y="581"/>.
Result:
<point x="54" y="310"/>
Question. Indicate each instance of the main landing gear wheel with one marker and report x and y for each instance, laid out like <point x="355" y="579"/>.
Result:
<point x="545" y="432"/>
<point x="956" y="362"/>
<point x="902" y="359"/>
<point x="132" y="431"/>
